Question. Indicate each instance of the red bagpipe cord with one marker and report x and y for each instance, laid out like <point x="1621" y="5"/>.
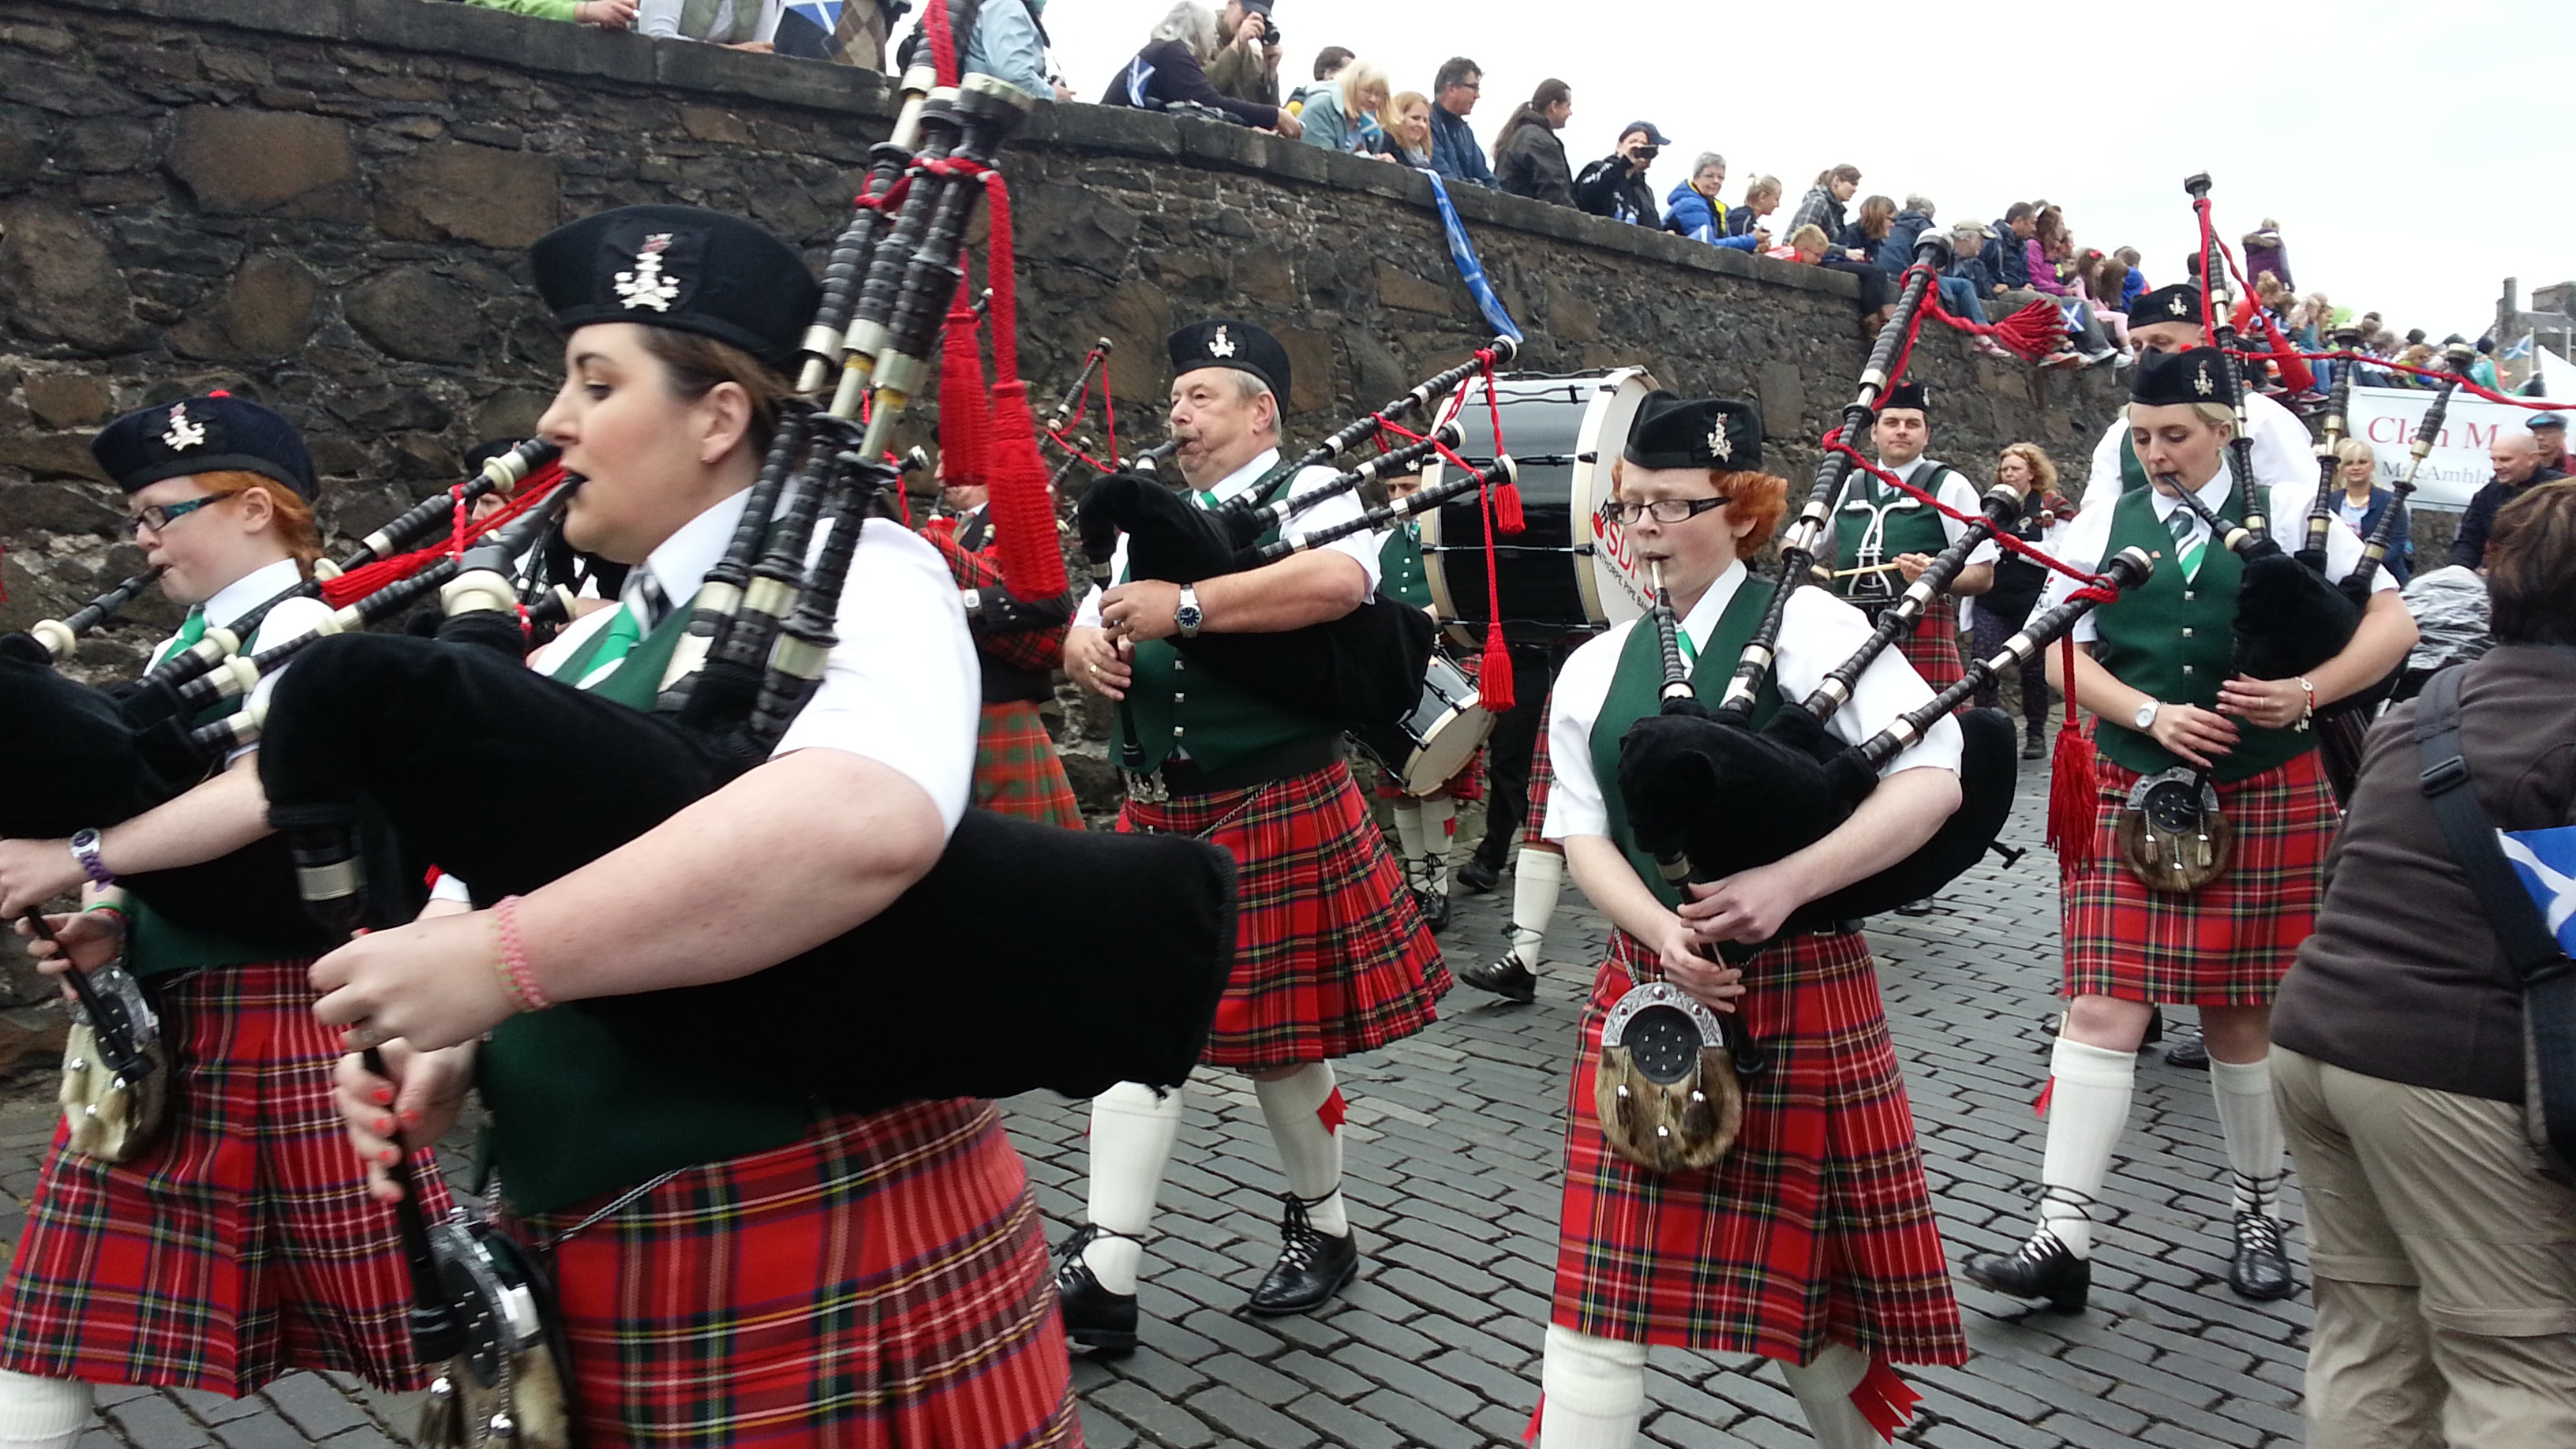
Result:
<point x="1501" y="506"/>
<point x="943" y="44"/>
<point x="359" y="582"/>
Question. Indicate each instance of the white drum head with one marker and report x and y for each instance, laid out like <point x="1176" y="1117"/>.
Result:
<point x="1616" y="589"/>
<point x="1446" y="747"/>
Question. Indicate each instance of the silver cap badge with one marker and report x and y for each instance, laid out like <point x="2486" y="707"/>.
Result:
<point x="2178" y="309"/>
<point x="1220" y="345"/>
<point x="2201" y="383"/>
<point x="646" y="286"/>
<point x="1719" y="446"/>
<point x="183" y="433"/>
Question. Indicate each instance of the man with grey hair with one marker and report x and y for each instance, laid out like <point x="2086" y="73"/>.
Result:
<point x="2518" y="466"/>
<point x="1693" y="210"/>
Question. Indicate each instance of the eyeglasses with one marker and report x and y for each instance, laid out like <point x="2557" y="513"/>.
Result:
<point x="1665" y="510"/>
<point x="159" y="516"/>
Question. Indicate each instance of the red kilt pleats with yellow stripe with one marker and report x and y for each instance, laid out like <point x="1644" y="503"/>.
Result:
<point x="1542" y="781"/>
<point x="241" y="1243"/>
<point x="1017" y="770"/>
<point x="1816" y="1227"/>
<point x="2226" y="944"/>
<point x="881" y="1284"/>
<point x="1330" y="956"/>
<point x="1933" y="646"/>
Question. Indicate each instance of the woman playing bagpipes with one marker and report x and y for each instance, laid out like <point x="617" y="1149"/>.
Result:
<point x="1812" y="1241"/>
<point x="234" y="1240"/>
<point x="2235" y="755"/>
<point x="807" y="1276"/>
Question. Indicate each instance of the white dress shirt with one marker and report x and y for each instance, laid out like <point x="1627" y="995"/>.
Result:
<point x="290" y="618"/>
<point x="1817" y="633"/>
<point x="2088" y="539"/>
<point x="1340" y="508"/>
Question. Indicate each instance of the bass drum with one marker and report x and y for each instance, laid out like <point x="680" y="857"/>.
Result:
<point x="1571" y="569"/>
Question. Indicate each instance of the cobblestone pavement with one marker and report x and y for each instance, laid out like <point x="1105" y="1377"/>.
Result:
<point x="1454" y="1144"/>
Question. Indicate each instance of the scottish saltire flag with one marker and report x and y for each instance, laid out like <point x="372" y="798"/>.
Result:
<point x="2546" y="861"/>
<point x="826" y="14"/>
<point x="2521" y="348"/>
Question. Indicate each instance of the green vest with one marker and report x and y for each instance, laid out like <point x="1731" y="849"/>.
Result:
<point x="1913" y="526"/>
<point x="576" y="1112"/>
<point x="1220" y="723"/>
<point x="1635" y="691"/>
<point x="159" y="946"/>
<point x="1399" y="563"/>
<point x="2175" y="641"/>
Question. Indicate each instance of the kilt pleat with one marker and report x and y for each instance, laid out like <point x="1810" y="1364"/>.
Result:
<point x="1817" y="1227"/>
<point x="1542" y="780"/>
<point x="880" y="1284"/>
<point x="1933" y="647"/>
<point x="1017" y="770"/>
<point x="2226" y="944"/>
<point x="241" y="1244"/>
<point x="1330" y="956"/>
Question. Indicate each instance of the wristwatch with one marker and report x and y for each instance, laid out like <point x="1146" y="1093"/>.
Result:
<point x="1189" y="616"/>
<point x="2147" y="714"/>
<point x="85" y="850"/>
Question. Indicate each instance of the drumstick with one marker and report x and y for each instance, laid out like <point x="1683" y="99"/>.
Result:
<point x="1872" y="569"/>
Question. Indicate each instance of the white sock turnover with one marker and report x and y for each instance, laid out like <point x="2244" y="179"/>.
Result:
<point x="1594" y="1388"/>
<point x="1132" y="1129"/>
<point x="41" y="1413"/>
<point x="2087" y="1109"/>
<point x="1310" y="1154"/>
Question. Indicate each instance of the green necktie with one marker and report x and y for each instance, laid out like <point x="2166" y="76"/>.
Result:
<point x="2187" y="548"/>
<point x="191" y="629"/>
<point x="616" y="641"/>
<point x="1206" y="499"/>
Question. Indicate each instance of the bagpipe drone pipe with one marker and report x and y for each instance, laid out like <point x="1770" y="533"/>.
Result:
<point x="1099" y="957"/>
<point x="1359" y="670"/>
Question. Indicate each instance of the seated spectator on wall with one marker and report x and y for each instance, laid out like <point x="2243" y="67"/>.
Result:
<point x="1328" y="64"/>
<point x="1807" y="244"/>
<point x="1823" y="204"/>
<point x="999" y="38"/>
<point x="1408" y="130"/>
<point x="1343" y="116"/>
<point x="1454" y="152"/>
<point x="2050" y="245"/>
<point x="1171" y="69"/>
<point x="1529" y="157"/>
<point x="1896" y="251"/>
<point x="1967" y="283"/>
<point x="2006" y="257"/>
<point x="733" y="24"/>
<point x="1246" y="67"/>
<point x="1615" y="186"/>
<point x="2103" y="279"/>
<point x="606" y="14"/>
<point x="1760" y="200"/>
<point x="1861" y="238"/>
<point x="1691" y="208"/>
<point x="1856" y="255"/>
<point x="2133" y="284"/>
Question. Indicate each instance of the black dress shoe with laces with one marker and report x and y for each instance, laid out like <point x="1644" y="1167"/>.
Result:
<point x="1504" y="976"/>
<point x="2042" y="1268"/>
<point x="1435" y="909"/>
<point x="1478" y="876"/>
<point x="1312" y="1266"/>
<point x="1094" y="1317"/>
<point x="2261" y="1267"/>
<point x="2190" y="1051"/>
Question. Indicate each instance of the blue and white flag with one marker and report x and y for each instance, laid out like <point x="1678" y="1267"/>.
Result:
<point x="2519" y="348"/>
<point x="795" y="38"/>
<point x="2546" y="861"/>
<point x="1463" y="252"/>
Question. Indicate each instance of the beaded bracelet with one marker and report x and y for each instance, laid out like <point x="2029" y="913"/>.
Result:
<point x="124" y="923"/>
<point x="518" y="980"/>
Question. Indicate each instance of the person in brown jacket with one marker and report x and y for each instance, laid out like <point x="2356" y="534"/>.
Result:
<point x="2445" y="1262"/>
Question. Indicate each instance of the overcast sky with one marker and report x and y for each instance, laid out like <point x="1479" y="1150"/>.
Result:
<point x="2414" y="154"/>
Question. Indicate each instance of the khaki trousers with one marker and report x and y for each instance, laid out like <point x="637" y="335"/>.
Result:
<point x="2445" y="1267"/>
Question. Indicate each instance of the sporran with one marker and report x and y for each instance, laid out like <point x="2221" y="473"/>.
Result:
<point x="2171" y="833"/>
<point x="1666" y="1092"/>
<point x="115" y="1100"/>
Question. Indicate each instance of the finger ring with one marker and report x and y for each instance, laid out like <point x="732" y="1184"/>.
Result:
<point x="1095" y="669"/>
<point x="363" y="1037"/>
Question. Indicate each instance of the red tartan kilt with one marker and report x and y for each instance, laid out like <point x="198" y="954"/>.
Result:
<point x="1330" y="956"/>
<point x="1542" y="780"/>
<point x="2226" y="944"/>
<point x="1816" y="1227"/>
<point x="881" y="1283"/>
<point x="1017" y="770"/>
<point x="1933" y="647"/>
<point x="241" y="1244"/>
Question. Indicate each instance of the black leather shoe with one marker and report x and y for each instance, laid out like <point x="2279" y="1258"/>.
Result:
<point x="2261" y="1267"/>
<point x="1504" y="976"/>
<point x="1922" y="907"/>
<point x="2041" y="1269"/>
<point x="1094" y="1317"/>
<point x="1435" y="908"/>
<point x="1312" y="1266"/>
<point x="2034" y="748"/>
<point x="2190" y="1051"/>
<point x="1478" y="876"/>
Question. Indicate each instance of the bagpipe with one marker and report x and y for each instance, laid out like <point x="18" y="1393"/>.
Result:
<point x="1103" y="955"/>
<point x="1358" y="671"/>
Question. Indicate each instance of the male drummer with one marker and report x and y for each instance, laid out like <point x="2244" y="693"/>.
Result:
<point x="1330" y="956"/>
<point x="1884" y="537"/>
<point x="2168" y="320"/>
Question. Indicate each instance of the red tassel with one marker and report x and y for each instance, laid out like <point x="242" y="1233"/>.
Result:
<point x="1494" y="673"/>
<point x="1024" y="526"/>
<point x="1507" y="508"/>
<point x="1334" y="1112"/>
<point x="1884" y="1399"/>
<point x="2033" y="332"/>
<point x="1537" y="1412"/>
<point x="963" y="424"/>
<point x="2047" y="1091"/>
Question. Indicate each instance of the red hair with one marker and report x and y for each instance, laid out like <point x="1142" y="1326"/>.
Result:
<point x="1758" y="499"/>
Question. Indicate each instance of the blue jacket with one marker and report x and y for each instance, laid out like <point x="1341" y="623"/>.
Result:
<point x="1896" y="253"/>
<point x="1696" y="217"/>
<point x="2005" y="257"/>
<point x="2400" y="561"/>
<point x="1454" y="152"/>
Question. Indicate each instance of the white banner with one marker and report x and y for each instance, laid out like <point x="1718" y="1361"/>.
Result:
<point x="2458" y="466"/>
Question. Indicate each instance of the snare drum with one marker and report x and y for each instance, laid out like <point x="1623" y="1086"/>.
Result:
<point x="1423" y="750"/>
<point x="1571" y="569"/>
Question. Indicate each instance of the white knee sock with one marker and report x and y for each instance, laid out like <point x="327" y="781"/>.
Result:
<point x="41" y="1413"/>
<point x="2251" y="1123"/>
<point x="1408" y="840"/>
<point x="1594" y="1391"/>
<point x="1131" y="1142"/>
<point x="1537" y="877"/>
<point x="2087" y="1108"/>
<point x="1437" y="817"/>
<point x="1824" y="1390"/>
<point x="1310" y="1153"/>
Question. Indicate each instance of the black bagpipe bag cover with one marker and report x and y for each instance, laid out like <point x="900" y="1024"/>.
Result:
<point x="1030" y="957"/>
